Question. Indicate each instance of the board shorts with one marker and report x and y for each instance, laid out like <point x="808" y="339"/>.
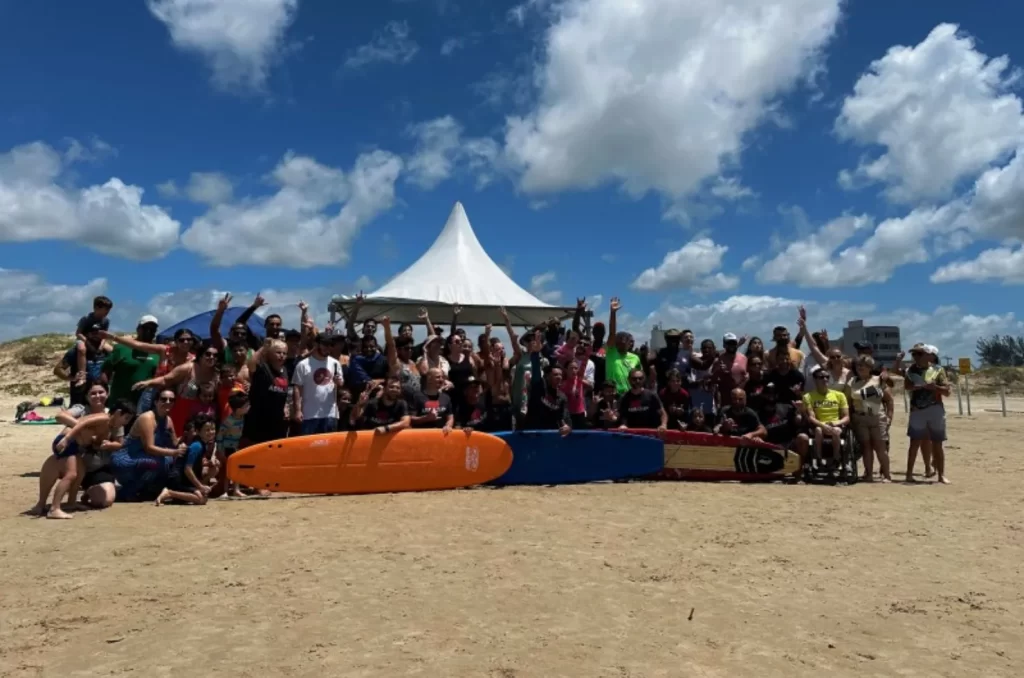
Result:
<point x="94" y="478"/>
<point x="928" y="424"/>
<point x="69" y="451"/>
<point x="869" y="429"/>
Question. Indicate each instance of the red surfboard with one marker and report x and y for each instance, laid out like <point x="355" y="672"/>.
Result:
<point x="705" y="456"/>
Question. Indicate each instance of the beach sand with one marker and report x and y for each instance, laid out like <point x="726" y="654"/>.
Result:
<point x="638" y="579"/>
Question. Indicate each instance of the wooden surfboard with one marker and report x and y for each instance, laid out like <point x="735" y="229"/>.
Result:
<point x="703" y="456"/>
<point x="364" y="462"/>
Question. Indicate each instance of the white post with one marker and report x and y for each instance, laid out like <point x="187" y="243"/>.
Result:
<point x="959" y="399"/>
<point x="967" y="388"/>
<point x="1002" y="397"/>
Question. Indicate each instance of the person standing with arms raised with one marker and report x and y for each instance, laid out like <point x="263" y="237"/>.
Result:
<point x="619" y="362"/>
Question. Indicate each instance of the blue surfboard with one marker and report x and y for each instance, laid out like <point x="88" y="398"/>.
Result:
<point x="546" y="458"/>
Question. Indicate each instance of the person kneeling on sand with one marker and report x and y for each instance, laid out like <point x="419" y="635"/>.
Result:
<point x="69" y="446"/>
<point x="185" y="477"/>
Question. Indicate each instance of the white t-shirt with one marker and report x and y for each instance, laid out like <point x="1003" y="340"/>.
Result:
<point x="588" y="372"/>
<point x="315" y="378"/>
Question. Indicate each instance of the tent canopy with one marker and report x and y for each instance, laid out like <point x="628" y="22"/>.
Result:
<point x="199" y="325"/>
<point x="455" y="270"/>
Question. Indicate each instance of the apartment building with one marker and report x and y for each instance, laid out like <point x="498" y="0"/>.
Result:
<point x="884" y="338"/>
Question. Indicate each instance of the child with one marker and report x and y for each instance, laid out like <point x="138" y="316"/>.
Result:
<point x="229" y="435"/>
<point x="184" y="477"/>
<point x="96" y="321"/>
<point x="698" y="422"/>
<point x="68" y="447"/>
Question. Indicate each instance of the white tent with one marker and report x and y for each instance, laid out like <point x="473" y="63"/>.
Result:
<point x="455" y="270"/>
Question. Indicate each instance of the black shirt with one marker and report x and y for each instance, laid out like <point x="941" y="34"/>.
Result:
<point x="267" y="394"/>
<point x="440" y="404"/>
<point x="744" y="419"/>
<point x="472" y="415"/>
<point x="602" y="406"/>
<point x="88" y="321"/>
<point x="784" y="384"/>
<point x="780" y="420"/>
<point x="640" y="410"/>
<point x="548" y="412"/>
<point x="378" y="413"/>
<point x="754" y="387"/>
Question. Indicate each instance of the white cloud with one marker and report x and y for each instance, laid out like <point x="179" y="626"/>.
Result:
<point x="452" y="45"/>
<point x="539" y="287"/>
<point x="36" y="203"/>
<point x="205" y="188"/>
<point x="659" y="94"/>
<point x="392" y="45"/>
<point x="295" y="225"/>
<point x="31" y="305"/>
<point x="942" y="110"/>
<point x="817" y="260"/>
<point x="950" y="328"/>
<point x="695" y="265"/>
<point x="730" y="188"/>
<point x="1002" y="264"/>
<point x="240" y="39"/>
<point x="996" y="207"/>
<point x="442" y="150"/>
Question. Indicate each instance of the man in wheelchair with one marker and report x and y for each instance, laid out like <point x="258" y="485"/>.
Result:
<point x="827" y="413"/>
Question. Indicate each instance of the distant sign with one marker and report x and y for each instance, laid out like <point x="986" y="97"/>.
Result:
<point x="965" y="365"/>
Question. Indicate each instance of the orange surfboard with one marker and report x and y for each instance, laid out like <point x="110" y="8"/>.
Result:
<point x="363" y="462"/>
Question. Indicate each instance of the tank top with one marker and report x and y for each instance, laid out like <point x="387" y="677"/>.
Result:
<point x="409" y="377"/>
<point x="459" y="374"/>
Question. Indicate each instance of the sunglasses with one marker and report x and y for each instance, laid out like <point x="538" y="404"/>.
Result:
<point x="210" y="354"/>
<point x="821" y="377"/>
<point x="185" y="340"/>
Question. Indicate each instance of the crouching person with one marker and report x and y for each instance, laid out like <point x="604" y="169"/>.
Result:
<point x="68" y="449"/>
<point x="186" y="473"/>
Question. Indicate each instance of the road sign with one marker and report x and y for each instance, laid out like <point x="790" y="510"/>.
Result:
<point x="965" y="365"/>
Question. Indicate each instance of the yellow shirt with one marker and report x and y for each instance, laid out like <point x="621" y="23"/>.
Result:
<point x="826" y="407"/>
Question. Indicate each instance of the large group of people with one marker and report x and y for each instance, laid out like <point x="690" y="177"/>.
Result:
<point x="157" y="421"/>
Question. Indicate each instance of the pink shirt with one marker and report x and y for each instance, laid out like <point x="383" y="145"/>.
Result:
<point x="573" y="388"/>
<point x="732" y="376"/>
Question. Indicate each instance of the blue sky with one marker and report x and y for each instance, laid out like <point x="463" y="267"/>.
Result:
<point x="712" y="164"/>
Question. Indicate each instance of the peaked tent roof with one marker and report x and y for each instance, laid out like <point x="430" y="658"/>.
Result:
<point x="455" y="270"/>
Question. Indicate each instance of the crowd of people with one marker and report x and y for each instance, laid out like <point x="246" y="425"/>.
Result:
<point x="152" y="421"/>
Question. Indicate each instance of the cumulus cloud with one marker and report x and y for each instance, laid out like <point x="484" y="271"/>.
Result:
<point x="694" y="266"/>
<point x="658" y="95"/>
<point x="301" y="224"/>
<point x="31" y="305"/>
<point x="942" y="110"/>
<point x="239" y="39"/>
<point x="205" y="188"/>
<point x="442" y="151"/>
<point x="540" y="287"/>
<point x="37" y="203"/>
<point x="1000" y="264"/>
<point x="392" y="45"/>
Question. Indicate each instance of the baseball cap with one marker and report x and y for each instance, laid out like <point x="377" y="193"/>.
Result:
<point x="818" y="370"/>
<point x="919" y="348"/>
<point x="729" y="336"/>
<point x="928" y="348"/>
<point x="672" y="334"/>
<point x="148" y="320"/>
<point x="291" y="335"/>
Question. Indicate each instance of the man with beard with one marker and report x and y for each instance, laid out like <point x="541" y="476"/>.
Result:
<point x="127" y="366"/>
<point x="788" y="381"/>
<point x="783" y="347"/>
<point x="730" y="369"/>
<point x="315" y="385"/>
<point x="782" y="421"/>
<point x="736" y="419"/>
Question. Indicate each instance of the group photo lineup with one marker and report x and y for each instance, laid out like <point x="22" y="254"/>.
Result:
<point x="520" y="339"/>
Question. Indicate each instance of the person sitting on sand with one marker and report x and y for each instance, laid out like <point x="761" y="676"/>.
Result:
<point x="140" y="466"/>
<point x="185" y="474"/>
<point x="68" y="448"/>
<point x="737" y="419"/>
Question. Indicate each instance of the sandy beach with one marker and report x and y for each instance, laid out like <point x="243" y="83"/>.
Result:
<point x="639" y="579"/>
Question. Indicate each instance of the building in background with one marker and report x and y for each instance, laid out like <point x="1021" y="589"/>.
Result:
<point x="657" y="338"/>
<point x="884" y="338"/>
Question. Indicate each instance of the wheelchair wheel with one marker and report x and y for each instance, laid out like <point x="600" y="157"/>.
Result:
<point x="850" y="454"/>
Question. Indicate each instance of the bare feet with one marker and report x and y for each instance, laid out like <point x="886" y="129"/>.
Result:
<point x="929" y="473"/>
<point x="944" y="480"/>
<point x="867" y="478"/>
<point x="57" y="514"/>
<point x="236" y="494"/>
<point x="910" y="478"/>
<point x="885" y="479"/>
<point x="37" y="510"/>
<point x="162" y="497"/>
<point x="263" y="493"/>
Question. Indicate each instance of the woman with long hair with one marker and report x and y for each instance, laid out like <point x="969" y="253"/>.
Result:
<point x="140" y="466"/>
<point x="189" y="381"/>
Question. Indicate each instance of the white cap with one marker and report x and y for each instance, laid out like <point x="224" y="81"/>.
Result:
<point x="928" y="348"/>
<point x="148" y="320"/>
<point x="729" y="336"/>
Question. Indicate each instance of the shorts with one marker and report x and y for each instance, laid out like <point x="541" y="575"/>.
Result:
<point x="94" y="478"/>
<point x="868" y="429"/>
<point x="69" y="451"/>
<point x="928" y="424"/>
<point x="315" y="426"/>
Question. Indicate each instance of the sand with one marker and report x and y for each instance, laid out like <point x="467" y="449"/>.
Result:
<point x="639" y="579"/>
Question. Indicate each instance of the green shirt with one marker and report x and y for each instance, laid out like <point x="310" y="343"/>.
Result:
<point x="126" y="368"/>
<point x="618" y="367"/>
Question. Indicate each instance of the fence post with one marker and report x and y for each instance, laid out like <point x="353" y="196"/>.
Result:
<point x="959" y="399"/>
<point x="967" y="388"/>
<point x="1002" y="397"/>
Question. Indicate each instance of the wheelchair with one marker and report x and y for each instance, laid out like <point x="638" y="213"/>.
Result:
<point x="847" y="472"/>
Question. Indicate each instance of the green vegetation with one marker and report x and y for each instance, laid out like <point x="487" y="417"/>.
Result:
<point x="38" y="351"/>
<point x="1005" y="351"/>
